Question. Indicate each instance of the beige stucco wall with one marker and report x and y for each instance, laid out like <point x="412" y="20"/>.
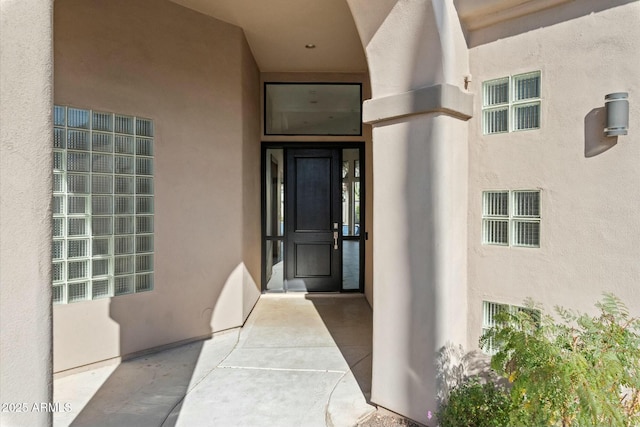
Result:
<point x="25" y="210"/>
<point x="414" y="50"/>
<point x="251" y="225"/>
<point x="590" y="232"/>
<point x="196" y="78"/>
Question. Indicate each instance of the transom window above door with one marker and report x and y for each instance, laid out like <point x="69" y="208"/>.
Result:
<point x="313" y="109"/>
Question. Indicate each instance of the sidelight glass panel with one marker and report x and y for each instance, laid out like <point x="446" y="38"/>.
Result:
<point x="356" y="208"/>
<point x="275" y="265"/>
<point x="351" y="264"/>
<point x="351" y="243"/>
<point x="351" y="192"/>
<point x="274" y="192"/>
<point x="274" y="219"/>
<point x="346" y="198"/>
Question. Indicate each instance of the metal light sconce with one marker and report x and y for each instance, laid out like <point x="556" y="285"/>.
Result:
<point x="617" y="109"/>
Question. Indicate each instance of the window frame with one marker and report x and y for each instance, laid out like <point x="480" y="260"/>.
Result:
<point x="512" y="218"/>
<point x="491" y="308"/>
<point x="266" y="108"/>
<point x="512" y="103"/>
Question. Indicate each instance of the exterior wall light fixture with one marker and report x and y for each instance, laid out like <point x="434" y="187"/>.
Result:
<point x="617" y="108"/>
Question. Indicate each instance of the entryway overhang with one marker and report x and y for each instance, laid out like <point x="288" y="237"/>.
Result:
<point x="420" y="155"/>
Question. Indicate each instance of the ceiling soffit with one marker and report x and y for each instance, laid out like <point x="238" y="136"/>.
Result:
<point x="278" y="30"/>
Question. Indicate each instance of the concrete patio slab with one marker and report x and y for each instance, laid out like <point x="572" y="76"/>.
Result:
<point x="258" y="397"/>
<point x="141" y="391"/>
<point x="299" y="360"/>
<point x="321" y="358"/>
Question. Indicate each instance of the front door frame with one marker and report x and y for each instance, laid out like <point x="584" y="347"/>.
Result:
<point x="264" y="164"/>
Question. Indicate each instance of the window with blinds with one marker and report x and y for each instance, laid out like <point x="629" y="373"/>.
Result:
<point x="511" y="103"/>
<point x="103" y="205"/>
<point x="511" y="218"/>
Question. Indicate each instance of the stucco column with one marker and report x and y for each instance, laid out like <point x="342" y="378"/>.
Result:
<point x="26" y="65"/>
<point x="417" y="60"/>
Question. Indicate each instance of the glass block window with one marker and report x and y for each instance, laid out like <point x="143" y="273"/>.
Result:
<point x="511" y="103"/>
<point x="489" y="312"/>
<point x="496" y="217"/>
<point x="103" y="204"/>
<point x="511" y="218"/>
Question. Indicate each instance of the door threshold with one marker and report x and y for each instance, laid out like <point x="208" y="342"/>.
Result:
<point x="301" y="294"/>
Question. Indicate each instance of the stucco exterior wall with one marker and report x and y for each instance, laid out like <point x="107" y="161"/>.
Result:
<point x="195" y="77"/>
<point x="416" y="49"/>
<point x="589" y="201"/>
<point x="251" y="114"/>
<point x="25" y="210"/>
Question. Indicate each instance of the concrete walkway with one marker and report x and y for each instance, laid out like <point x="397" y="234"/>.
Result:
<point x="300" y="360"/>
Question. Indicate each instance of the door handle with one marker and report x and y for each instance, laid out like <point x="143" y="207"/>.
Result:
<point x="335" y="240"/>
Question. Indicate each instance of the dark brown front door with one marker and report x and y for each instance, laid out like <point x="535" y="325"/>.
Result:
<point x="313" y="225"/>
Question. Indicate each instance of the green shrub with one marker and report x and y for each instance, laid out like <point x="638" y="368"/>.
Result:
<point x="582" y="372"/>
<point x="475" y="405"/>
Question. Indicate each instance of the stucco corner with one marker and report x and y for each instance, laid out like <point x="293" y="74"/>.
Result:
<point x="442" y="98"/>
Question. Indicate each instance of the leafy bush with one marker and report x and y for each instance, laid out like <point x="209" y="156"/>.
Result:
<point x="475" y="405"/>
<point x="583" y="372"/>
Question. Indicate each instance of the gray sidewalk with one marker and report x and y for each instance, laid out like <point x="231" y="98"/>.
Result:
<point x="300" y="360"/>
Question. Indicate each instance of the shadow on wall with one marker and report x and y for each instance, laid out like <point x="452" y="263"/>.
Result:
<point x="142" y="391"/>
<point x="148" y="390"/>
<point x="454" y="366"/>
<point x="545" y="18"/>
<point x="349" y="321"/>
<point x="422" y="179"/>
<point x="595" y="141"/>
